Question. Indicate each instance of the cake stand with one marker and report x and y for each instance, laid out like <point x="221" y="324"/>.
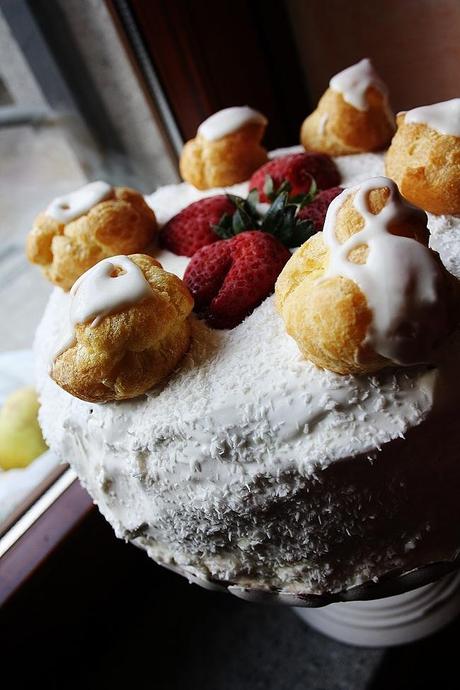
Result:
<point x="389" y="621"/>
<point x="399" y="608"/>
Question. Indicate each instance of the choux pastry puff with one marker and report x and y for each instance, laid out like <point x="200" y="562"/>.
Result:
<point x="367" y="293"/>
<point x="128" y="329"/>
<point x="81" y="228"/>
<point x="424" y="157"/>
<point x="226" y="149"/>
<point x="352" y="116"/>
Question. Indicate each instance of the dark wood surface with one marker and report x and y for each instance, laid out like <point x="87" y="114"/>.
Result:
<point x="209" y="56"/>
<point x="20" y="563"/>
<point x="32" y="496"/>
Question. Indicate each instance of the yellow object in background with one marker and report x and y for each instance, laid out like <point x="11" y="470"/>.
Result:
<point x="21" y="439"/>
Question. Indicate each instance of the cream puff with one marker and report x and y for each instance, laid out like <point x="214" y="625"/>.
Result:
<point x="424" y="157"/>
<point x="81" y="228"/>
<point x="367" y="293"/>
<point x="128" y="329"/>
<point x="226" y="149"/>
<point x="352" y="116"/>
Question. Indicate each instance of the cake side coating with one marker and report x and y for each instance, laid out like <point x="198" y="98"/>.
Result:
<point x="250" y="465"/>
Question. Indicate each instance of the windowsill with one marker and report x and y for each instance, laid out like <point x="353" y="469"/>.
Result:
<point x="40" y="531"/>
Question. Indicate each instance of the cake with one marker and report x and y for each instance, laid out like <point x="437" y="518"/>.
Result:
<point x="253" y="469"/>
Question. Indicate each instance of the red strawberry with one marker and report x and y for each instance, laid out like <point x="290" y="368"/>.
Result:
<point x="297" y="169"/>
<point x="316" y="210"/>
<point x="192" y="228"/>
<point x="229" y="279"/>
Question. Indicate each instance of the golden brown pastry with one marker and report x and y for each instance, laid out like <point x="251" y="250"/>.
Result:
<point x="367" y="293"/>
<point x="353" y="115"/>
<point x="94" y="222"/>
<point x="226" y="149"/>
<point x="128" y="330"/>
<point x="424" y="157"/>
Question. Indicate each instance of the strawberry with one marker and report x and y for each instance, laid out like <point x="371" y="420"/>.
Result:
<point x="228" y="279"/>
<point x="294" y="174"/>
<point x="317" y="209"/>
<point x="280" y="220"/>
<point x="192" y="228"/>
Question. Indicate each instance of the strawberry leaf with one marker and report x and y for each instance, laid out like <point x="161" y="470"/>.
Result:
<point x="305" y="199"/>
<point x="302" y="232"/>
<point x="244" y="218"/>
<point x="281" y="219"/>
<point x="224" y="229"/>
<point x="271" y="192"/>
<point x="282" y="222"/>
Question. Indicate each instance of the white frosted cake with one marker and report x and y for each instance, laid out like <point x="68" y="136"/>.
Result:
<point x="250" y="466"/>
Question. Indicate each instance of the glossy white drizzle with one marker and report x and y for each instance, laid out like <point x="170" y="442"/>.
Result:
<point x="71" y="206"/>
<point x="98" y="293"/>
<point x="401" y="278"/>
<point x="354" y="81"/>
<point x="228" y="121"/>
<point x="443" y="117"/>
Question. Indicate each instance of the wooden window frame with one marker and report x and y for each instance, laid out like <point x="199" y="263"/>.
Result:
<point x="42" y="529"/>
<point x="207" y="56"/>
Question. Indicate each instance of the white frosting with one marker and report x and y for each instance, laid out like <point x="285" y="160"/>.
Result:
<point x="172" y="262"/>
<point x="445" y="232"/>
<point x="401" y="278"/>
<point x="71" y="206"/>
<point x="354" y="81"/>
<point x="443" y="117"/>
<point x="262" y="208"/>
<point x="220" y="470"/>
<point x="100" y="291"/>
<point x="228" y="121"/>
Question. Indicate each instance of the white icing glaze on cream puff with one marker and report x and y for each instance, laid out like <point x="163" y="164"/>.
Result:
<point x="104" y="290"/>
<point x="354" y="81"/>
<point x="228" y="121"/>
<point x="400" y="278"/>
<point x="443" y="117"/>
<point x="71" y="206"/>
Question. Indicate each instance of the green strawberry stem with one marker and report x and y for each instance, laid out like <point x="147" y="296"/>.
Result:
<point x="281" y="219"/>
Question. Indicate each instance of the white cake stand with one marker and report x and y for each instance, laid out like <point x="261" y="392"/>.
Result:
<point x="402" y="607"/>
<point x="390" y="621"/>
